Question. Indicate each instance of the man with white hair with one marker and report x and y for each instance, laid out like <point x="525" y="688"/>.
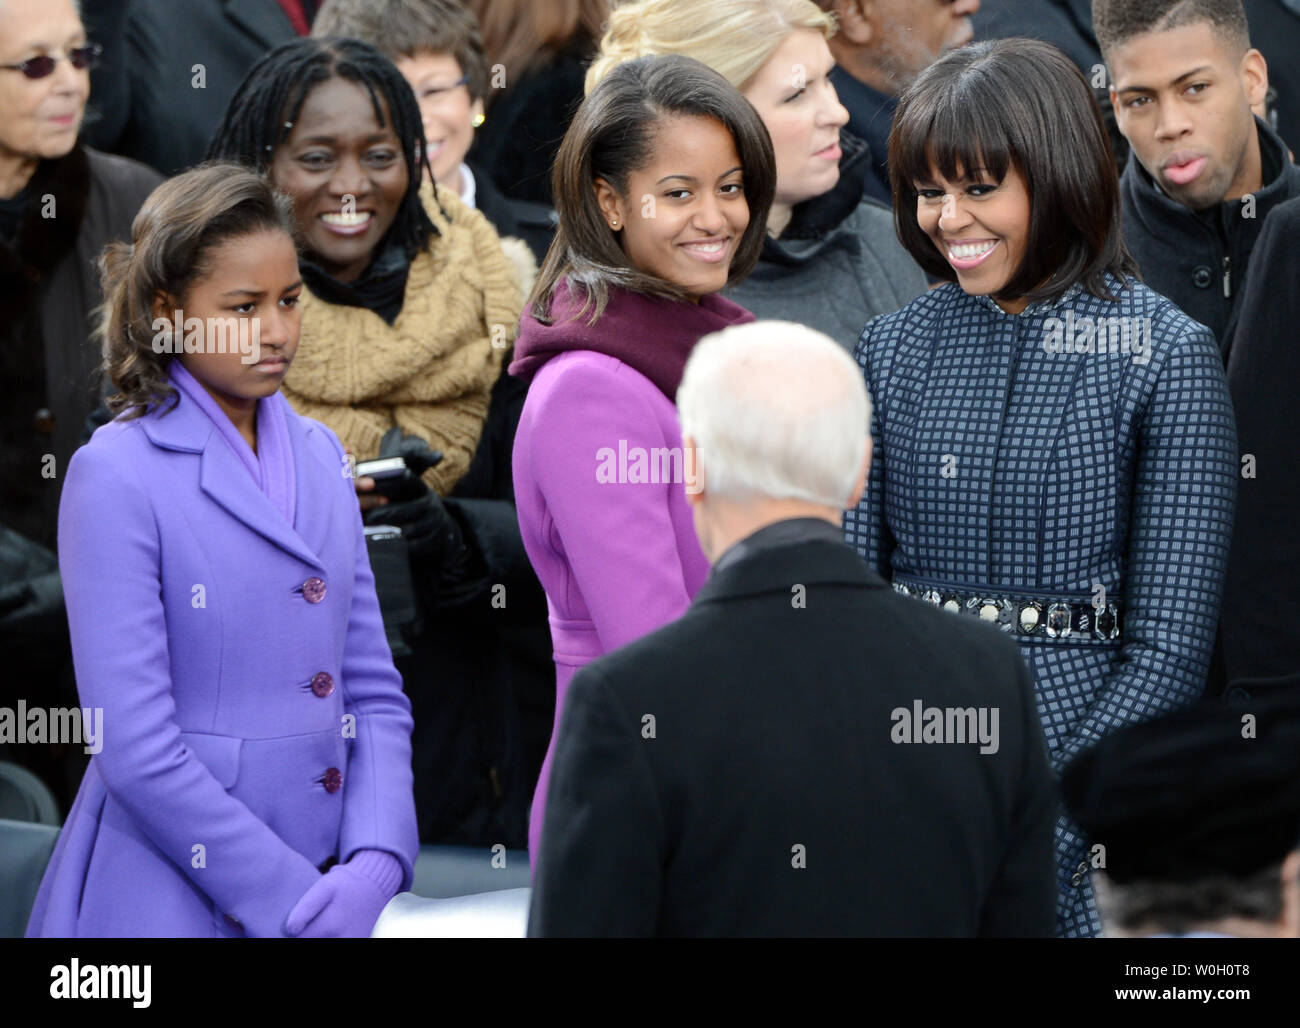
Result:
<point x="804" y="752"/>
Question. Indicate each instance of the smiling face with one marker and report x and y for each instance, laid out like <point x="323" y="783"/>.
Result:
<point x="445" y="108"/>
<point x="1183" y="100"/>
<point x="979" y="226"/>
<point x="346" y="174"/>
<point x="685" y="211"/>
<point x="794" y="96"/>
<point x="254" y="280"/>
<point x="41" y="116"/>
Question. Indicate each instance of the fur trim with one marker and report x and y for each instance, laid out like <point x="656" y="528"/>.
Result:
<point x="525" y="264"/>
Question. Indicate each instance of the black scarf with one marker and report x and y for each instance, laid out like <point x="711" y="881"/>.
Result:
<point x="35" y="249"/>
<point x="28" y="257"/>
<point x="381" y="288"/>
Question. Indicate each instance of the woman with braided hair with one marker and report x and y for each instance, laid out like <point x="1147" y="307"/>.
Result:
<point x="409" y="311"/>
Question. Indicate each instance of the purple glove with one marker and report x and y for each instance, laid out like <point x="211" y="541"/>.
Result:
<point x="346" y="901"/>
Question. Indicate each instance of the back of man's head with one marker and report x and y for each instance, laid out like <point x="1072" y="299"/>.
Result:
<point x="776" y="411"/>
<point x="1184" y="80"/>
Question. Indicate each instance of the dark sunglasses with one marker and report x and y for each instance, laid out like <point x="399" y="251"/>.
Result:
<point x="81" y="57"/>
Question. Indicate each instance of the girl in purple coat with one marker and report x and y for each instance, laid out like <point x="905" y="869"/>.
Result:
<point x="255" y="775"/>
<point x="663" y="185"/>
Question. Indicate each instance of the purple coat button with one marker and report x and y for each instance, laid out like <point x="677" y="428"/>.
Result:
<point x="232" y="924"/>
<point x="333" y="780"/>
<point x="313" y="590"/>
<point x="322" y="683"/>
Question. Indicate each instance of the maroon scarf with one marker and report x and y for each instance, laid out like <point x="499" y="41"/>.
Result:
<point x="649" y="333"/>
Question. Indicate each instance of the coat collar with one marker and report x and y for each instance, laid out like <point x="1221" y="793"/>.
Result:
<point x="778" y="569"/>
<point x="1166" y="219"/>
<point x="820" y="220"/>
<point x="185" y="428"/>
<point x="266" y="23"/>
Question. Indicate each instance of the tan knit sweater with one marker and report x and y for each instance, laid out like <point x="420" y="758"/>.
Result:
<point x="430" y="372"/>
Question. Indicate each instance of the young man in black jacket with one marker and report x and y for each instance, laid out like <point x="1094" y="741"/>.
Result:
<point x="1259" y="642"/>
<point x="1203" y="171"/>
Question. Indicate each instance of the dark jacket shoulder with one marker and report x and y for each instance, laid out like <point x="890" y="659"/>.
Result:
<point x="823" y="576"/>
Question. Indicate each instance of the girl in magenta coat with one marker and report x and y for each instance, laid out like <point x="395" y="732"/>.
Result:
<point x="663" y="184"/>
<point x="255" y="774"/>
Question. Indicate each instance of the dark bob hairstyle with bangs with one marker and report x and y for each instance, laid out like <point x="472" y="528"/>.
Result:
<point x="612" y="135"/>
<point x="1015" y="103"/>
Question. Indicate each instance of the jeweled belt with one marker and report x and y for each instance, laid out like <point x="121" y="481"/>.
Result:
<point x="1023" y="615"/>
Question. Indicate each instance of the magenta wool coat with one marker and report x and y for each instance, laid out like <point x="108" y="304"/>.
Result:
<point x="601" y="480"/>
<point x="617" y="559"/>
<point x="255" y="728"/>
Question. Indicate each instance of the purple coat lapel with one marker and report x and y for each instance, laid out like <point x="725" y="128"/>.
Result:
<point x="224" y="478"/>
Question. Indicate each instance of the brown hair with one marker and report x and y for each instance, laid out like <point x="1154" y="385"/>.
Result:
<point x="171" y="238"/>
<point x="522" y="35"/>
<point x="409" y="28"/>
<point x="611" y="136"/>
<point x="1015" y="103"/>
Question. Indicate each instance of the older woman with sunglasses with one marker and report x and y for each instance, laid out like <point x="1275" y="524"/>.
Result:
<point x="60" y="202"/>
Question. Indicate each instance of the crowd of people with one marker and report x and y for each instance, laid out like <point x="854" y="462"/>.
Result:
<point x="798" y="468"/>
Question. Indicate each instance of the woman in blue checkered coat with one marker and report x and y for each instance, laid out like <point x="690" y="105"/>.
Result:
<point x="1055" y="445"/>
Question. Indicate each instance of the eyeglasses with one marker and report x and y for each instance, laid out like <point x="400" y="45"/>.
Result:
<point x="80" y="57"/>
<point x="439" y="92"/>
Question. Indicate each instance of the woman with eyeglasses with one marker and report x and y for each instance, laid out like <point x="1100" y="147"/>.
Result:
<point x="60" y="203"/>
<point x="437" y="47"/>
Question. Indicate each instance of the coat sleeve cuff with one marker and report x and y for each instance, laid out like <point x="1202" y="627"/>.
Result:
<point x="381" y="867"/>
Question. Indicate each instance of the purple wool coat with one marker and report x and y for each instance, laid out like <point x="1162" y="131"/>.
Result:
<point x="254" y="725"/>
<point x="618" y="558"/>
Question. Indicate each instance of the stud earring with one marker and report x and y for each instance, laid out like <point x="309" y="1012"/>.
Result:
<point x="613" y="223"/>
<point x="477" y="120"/>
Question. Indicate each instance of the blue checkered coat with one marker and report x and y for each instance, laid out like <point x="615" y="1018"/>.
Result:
<point x="1002" y="465"/>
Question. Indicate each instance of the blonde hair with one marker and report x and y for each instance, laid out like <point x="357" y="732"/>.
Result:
<point x="733" y="37"/>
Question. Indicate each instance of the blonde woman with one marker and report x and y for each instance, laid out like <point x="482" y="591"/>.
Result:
<point x="831" y="259"/>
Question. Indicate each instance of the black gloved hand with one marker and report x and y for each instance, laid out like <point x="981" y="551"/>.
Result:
<point x="33" y="608"/>
<point x="431" y="533"/>
<point x="419" y="459"/>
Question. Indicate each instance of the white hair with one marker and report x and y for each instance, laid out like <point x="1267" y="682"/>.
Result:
<point x="776" y="410"/>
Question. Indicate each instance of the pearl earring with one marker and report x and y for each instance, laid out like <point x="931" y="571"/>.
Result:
<point x="613" y="223"/>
